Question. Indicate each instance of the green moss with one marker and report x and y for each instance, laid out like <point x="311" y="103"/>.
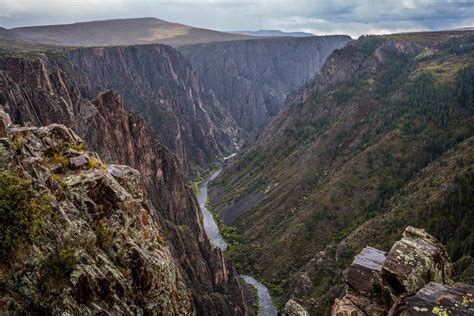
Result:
<point x="60" y="158"/>
<point x="18" y="141"/>
<point x="93" y="163"/>
<point x="22" y="210"/>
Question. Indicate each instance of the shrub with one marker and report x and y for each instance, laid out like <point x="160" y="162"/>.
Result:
<point x="59" y="266"/>
<point x="21" y="210"/>
<point x="93" y="163"/>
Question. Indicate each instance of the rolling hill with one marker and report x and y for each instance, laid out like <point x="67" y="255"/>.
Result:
<point x="123" y="32"/>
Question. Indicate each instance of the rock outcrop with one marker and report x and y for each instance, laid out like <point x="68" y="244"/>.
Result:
<point x="159" y="83"/>
<point x="414" y="278"/>
<point x="292" y="308"/>
<point x="252" y="78"/>
<point x="97" y="245"/>
<point x="44" y="88"/>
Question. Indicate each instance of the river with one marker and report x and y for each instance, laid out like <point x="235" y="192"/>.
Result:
<point x="265" y="304"/>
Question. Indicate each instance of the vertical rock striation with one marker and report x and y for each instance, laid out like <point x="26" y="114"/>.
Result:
<point x="159" y="83"/>
<point x="251" y="78"/>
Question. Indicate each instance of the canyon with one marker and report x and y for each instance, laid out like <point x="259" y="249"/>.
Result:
<point x="44" y="88"/>
<point x="231" y="174"/>
<point x="101" y="93"/>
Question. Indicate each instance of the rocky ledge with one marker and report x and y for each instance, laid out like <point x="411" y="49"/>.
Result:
<point x="413" y="278"/>
<point x="79" y="236"/>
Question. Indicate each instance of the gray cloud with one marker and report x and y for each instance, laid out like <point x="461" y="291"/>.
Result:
<point x="353" y="17"/>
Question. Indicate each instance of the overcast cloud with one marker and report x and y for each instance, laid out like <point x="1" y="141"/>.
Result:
<point x="353" y="17"/>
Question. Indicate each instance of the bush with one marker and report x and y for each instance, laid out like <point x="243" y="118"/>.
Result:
<point x="21" y="210"/>
<point x="61" y="263"/>
<point x="58" y="267"/>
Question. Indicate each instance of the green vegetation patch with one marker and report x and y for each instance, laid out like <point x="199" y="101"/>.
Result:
<point x="59" y="266"/>
<point x="22" y="210"/>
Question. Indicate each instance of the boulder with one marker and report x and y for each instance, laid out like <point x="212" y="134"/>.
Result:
<point x="414" y="278"/>
<point x="345" y="307"/>
<point x="60" y="133"/>
<point x="292" y="308"/>
<point x="128" y="177"/>
<point x="364" y="275"/>
<point x="78" y="161"/>
<point x="414" y="261"/>
<point x="123" y="171"/>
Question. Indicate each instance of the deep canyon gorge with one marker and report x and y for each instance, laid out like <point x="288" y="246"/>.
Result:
<point x="150" y="167"/>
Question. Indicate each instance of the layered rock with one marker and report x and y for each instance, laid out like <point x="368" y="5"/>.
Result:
<point x="40" y="89"/>
<point x="98" y="246"/>
<point x="252" y="78"/>
<point x="157" y="82"/>
<point x="414" y="278"/>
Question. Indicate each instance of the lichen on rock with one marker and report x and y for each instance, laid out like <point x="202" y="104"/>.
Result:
<point x="413" y="278"/>
<point x="99" y="249"/>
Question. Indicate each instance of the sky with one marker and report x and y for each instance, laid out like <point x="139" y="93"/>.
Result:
<point x="352" y="17"/>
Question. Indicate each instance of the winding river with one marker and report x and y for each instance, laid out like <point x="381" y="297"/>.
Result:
<point x="265" y="304"/>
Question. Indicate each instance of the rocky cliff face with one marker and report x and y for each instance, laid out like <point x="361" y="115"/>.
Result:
<point x="252" y="78"/>
<point x="156" y="81"/>
<point x="79" y="235"/>
<point x="382" y="139"/>
<point x="43" y="88"/>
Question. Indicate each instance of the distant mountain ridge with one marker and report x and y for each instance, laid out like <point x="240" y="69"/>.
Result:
<point x="274" y="33"/>
<point x="122" y="32"/>
<point x="5" y="33"/>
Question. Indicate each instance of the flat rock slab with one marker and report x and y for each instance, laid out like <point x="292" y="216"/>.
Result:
<point x="121" y="171"/>
<point x="439" y="299"/>
<point x="72" y="152"/>
<point x="79" y="161"/>
<point x="364" y="275"/>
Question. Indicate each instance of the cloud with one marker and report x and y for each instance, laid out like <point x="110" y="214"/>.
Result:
<point x="353" y="17"/>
